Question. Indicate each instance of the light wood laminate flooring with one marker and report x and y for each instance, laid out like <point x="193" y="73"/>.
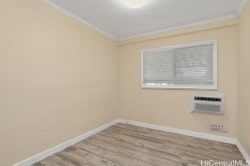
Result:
<point x="127" y="145"/>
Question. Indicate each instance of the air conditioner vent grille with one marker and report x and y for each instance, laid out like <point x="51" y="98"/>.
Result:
<point x="207" y="99"/>
<point x="207" y="108"/>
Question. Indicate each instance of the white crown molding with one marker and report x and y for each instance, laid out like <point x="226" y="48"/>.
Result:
<point x="53" y="150"/>
<point x="58" y="148"/>
<point x="241" y="6"/>
<point x="178" y="27"/>
<point x="65" y="11"/>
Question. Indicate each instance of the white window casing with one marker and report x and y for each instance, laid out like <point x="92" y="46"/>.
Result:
<point x="189" y="66"/>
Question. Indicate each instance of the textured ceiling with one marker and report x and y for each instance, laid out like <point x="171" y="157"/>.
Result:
<point x="120" y="22"/>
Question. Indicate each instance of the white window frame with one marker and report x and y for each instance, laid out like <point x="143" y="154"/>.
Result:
<point x="202" y="87"/>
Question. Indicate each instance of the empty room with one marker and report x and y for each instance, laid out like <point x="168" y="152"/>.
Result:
<point x="124" y="82"/>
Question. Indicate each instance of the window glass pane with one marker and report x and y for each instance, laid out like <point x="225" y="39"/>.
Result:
<point x="159" y="68"/>
<point x="194" y="65"/>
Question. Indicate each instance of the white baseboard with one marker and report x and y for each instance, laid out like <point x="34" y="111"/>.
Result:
<point x="58" y="148"/>
<point x="243" y="151"/>
<point x="191" y="133"/>
<point x="51" y="151"/>
<point x="182" y="131"/>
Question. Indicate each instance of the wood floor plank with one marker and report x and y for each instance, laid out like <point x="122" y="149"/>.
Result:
<point x="128" y="145"/>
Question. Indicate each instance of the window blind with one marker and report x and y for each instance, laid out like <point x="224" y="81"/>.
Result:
<point x="181" y="66"/>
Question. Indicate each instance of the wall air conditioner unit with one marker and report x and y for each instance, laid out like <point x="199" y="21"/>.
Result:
<point x="208" y="104"/>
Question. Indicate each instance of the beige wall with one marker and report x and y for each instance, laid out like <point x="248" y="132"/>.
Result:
<point x="57" y="79"/>
<point x="172" y="107"/>
<point x="244" y="78"/>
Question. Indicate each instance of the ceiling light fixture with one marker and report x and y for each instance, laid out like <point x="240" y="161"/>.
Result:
<point x="134" y="3"/>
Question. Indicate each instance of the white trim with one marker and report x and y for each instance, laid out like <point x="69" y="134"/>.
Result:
<point x="65" y="11"/>
<point x="215" y="64"/>
<point x="142" y="73"/>
<point x="177" y="28"/>
<point x="241" y="6"/>
<point x="182" y="131"/>
<point x="243" y="151"/>
<point x="224" y="139"/>
<point x="206" y="87"/>
<point x="51" y="151"/>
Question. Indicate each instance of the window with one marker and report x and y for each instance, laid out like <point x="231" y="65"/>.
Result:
<point x="191" y="66"/>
